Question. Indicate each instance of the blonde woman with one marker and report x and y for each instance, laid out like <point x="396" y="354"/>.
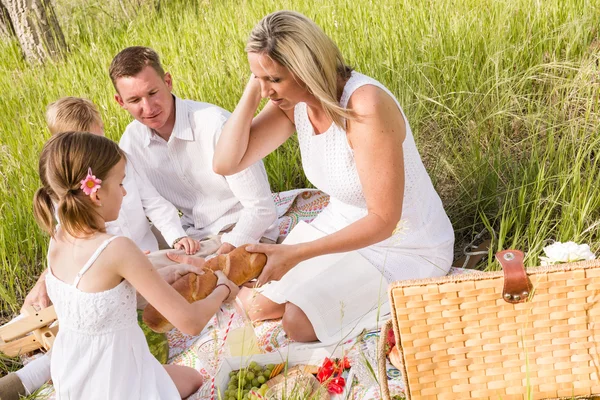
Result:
<point x="357" y="146"/>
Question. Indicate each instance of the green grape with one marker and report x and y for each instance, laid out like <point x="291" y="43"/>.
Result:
<point x="261" y="379"/>
<point x="250" y="375"/>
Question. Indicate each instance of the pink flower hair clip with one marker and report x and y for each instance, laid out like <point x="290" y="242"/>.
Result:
<point x="90" y="184"/>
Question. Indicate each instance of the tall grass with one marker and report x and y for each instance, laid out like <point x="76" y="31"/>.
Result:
<point x="502" y="96"/>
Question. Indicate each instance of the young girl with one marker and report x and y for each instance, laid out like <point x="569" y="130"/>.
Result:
<point x="100" y="351"/>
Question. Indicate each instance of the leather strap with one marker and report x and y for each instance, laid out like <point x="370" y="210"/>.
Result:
<point x="517" y="286"/>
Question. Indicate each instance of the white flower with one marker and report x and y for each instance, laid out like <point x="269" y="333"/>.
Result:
<point x="559" y="252"/>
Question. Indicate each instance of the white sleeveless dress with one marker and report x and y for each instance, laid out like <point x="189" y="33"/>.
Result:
<point x="421" y="247"/>
<point x="100" y="351"/>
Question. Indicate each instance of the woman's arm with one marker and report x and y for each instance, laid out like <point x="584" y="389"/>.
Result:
<point x="376" y="137"/>
<point x="190" y="318"/>
<point x="244" y="139"/>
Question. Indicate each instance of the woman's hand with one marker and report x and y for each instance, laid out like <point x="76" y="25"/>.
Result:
<point x="281" y="258"/>
<point x="190" y="245"/>
<point x="233" y="289"/>
<point x="253" y="89"/>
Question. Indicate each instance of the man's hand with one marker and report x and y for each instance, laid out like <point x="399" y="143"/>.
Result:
<point x="190" y="245"/>
<point x="38" y="296"/>
<point x="225" y="248"/>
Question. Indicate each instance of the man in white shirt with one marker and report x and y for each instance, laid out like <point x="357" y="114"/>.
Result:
<point x="172" y="142"/>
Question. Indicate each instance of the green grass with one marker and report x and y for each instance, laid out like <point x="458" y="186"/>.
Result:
<point x="502" y="97"/>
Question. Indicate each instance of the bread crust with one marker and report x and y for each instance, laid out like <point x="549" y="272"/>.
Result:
<point x="240" y="266"/>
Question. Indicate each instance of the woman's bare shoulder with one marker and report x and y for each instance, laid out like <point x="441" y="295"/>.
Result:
<point x="369" y="99"/>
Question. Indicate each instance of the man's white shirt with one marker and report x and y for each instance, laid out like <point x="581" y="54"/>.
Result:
<point x="142" y="200"/>
<point x="181" y="171"/>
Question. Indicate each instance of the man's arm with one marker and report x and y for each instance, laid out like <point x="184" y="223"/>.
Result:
<point x="160" y="211"/>
<point x="251" y="187"/>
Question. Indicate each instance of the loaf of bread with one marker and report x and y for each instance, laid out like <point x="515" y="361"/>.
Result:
<point x="192" y="287"/>
<point x="239" y="266"/>
<point x="396" y="358"/>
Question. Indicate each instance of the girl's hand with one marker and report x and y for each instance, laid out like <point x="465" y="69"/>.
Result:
<point x="280" y="259"/>
<point x="183" y="259"/>
<point x="222" y="279"/>
<point x="173" y="272"/>
<point x="190" y="245"/>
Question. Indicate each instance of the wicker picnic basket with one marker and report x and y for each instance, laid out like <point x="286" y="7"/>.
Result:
<point x="503" y="335"/>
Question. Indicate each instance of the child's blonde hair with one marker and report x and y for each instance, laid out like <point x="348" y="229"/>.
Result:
<point x="72" y="114"/>
<point x="64" y="163"/>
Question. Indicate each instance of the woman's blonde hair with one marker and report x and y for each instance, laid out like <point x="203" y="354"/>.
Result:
<point x="64" y="163"/>
<point x="301" y="46"/>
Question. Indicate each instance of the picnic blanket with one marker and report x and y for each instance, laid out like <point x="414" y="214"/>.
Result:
<point x="199" y="351"/>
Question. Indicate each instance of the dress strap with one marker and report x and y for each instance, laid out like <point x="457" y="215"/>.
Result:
<point x="92" y="259"/>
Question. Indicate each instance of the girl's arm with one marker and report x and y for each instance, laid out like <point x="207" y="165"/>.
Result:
<point x="244" y="139"/>
<point x="130" y="263"/>
<point x="376" y="138"/>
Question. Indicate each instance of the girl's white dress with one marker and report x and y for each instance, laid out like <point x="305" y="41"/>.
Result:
<point x="100" y="351"/>
<point x="421" y="247"/>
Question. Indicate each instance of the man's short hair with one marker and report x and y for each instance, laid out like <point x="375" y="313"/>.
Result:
<point x="132" y="60"/>
<point x="72" y="114"/>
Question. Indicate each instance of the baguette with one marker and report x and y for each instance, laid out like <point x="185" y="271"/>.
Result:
<point x="192" y="287"/>
<point x="239" y="266"/>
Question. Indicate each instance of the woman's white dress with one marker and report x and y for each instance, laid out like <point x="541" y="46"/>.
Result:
<point x="100" y="351"/>
<point x="421" y="247"/>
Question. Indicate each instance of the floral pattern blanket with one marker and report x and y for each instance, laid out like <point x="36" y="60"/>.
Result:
<point x="199" y="351"/>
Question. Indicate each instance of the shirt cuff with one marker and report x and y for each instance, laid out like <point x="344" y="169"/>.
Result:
<point x="237" y="239"/>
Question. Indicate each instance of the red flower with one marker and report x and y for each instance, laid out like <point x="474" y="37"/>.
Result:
<point x="326" y="370"/>
<point x="345" y="363"/>
<point x="391" y="339"/>
<point x="336" y="385"/>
